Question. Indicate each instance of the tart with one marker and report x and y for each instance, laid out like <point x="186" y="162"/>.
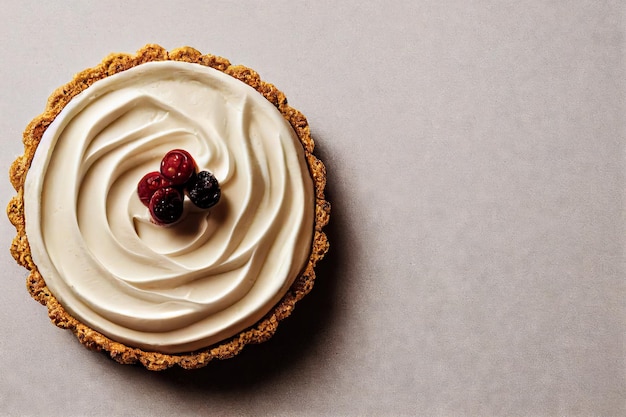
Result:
<point x="214" y="280"/>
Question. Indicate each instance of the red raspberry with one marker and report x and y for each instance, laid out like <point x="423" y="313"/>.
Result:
<point x="178" y="166"/>
<point x="166" y="206"/>
<point x="149" y="184"/>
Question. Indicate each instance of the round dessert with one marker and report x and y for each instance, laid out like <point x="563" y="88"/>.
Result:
<point x="169" y="208"/>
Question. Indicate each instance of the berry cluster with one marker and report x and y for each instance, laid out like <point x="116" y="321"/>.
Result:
<point x="163" y="192"/>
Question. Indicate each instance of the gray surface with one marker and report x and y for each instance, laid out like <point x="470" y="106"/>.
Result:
<point x="475" y="152"/>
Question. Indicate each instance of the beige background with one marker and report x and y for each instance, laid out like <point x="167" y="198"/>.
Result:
<point x="475" y="152"/>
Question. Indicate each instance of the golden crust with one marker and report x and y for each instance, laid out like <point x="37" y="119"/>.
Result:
<point x="92" y="339"/>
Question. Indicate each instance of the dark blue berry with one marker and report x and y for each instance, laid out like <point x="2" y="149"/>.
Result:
<point x="203" y="190"/>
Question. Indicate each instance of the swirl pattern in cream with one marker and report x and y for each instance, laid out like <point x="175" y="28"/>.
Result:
<point x="213" y="274"/>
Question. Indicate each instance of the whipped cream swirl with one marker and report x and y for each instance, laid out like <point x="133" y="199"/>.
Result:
<point x="179" y="288"/>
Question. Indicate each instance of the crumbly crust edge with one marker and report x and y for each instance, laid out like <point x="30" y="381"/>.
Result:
<point x="36" y="285"/>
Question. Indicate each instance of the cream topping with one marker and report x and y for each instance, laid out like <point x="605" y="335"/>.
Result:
<point x="216" y="272"/>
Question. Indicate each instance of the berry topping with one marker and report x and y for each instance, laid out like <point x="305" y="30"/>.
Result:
<point x="178" y="166"/>
<point x="163" y="192"/>
<point x="149" y="184"/>
<point x="203" y="190"/>
<point x="166" y="205"/>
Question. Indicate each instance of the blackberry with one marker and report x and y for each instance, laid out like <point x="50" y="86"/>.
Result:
<point x="203" y="190"/>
